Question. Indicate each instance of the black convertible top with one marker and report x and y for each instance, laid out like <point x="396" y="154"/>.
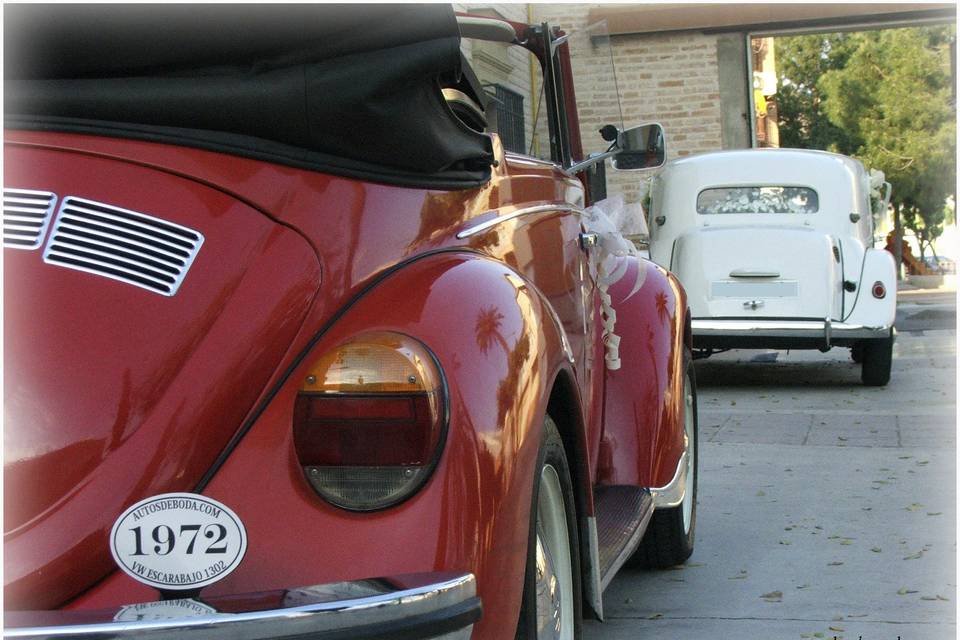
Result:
<point x="348" y="89"/>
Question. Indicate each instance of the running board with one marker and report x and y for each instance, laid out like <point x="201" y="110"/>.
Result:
<point x="623" y="513"/>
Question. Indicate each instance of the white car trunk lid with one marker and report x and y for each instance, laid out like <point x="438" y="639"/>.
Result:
<point x="750" y="272"/>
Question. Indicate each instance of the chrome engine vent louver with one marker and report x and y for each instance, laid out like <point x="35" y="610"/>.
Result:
<point x="26" y="216"/>
<point x="121" y="244"/>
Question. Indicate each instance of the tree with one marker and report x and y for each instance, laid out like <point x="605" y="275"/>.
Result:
<point x="801" y="62"/>
<point x="883" y="97"/>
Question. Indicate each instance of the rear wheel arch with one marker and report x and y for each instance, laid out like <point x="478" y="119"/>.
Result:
<point x="563" y="406"/>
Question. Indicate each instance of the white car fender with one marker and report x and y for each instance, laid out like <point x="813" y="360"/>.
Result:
<point x="868" y="310"/>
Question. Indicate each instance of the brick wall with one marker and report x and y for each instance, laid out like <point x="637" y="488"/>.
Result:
<point x="669" y="78"/>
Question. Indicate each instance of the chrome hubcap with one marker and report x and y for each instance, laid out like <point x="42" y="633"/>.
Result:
<point x="689" y="435"/>
<point x="554" y="573"/>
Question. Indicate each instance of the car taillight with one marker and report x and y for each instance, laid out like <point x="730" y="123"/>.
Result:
<point x="369" y="421"/>
<point x="879" y="291"/>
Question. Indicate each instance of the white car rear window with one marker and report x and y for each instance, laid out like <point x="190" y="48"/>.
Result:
<point x="758" y="200"/>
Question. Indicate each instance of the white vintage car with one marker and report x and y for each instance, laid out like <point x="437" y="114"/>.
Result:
<point x="775" y="250"/>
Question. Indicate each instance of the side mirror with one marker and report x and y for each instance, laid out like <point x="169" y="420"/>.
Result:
<point x="641" y="147"/>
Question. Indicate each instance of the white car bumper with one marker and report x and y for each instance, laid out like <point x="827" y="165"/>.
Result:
<point x="747" y="332"/>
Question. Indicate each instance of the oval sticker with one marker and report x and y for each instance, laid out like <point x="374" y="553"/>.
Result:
<point x="178" y="541"/>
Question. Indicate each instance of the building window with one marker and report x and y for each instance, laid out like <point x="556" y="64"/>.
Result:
<point x="509" y="118"/>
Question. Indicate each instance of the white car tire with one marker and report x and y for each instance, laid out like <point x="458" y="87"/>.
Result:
<point x="877" y="361"/>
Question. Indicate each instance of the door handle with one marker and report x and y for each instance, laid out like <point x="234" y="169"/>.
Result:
<point x="753" y="273"/>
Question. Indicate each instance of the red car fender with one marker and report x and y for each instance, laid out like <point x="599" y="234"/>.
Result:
<point x="500" y="353"/>
<point x="643" y="400"/>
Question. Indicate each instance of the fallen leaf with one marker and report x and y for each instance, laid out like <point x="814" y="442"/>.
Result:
<point x="876" y="549"/>
<point x="934" y="513"/>
<point x="654" y="616"/>
<point x="913" y="556"/>
<point x="785" y="542"/>
<point x="835" y="563"/>
<point x="761" y="493"/>
<point x="836" y="628"/>
<point x="914" y="507"/>
<point x="928" y="598"/>
<point x="866" y="508"/>
<point x="773" y="596"/>
<point x="902" y="591"/>
<point x="803" y="586"/>
<point x="940" y="597"/>
<point x="905" y="457"/>
<point x="846" y="542"/>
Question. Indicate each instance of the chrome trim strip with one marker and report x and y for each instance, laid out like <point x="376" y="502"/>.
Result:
<point x="628" y="550"/>
<point x="787" y="329"/>
<point x="672" y="493"/>
<point x="523" y="211"/>
<point x="455" y="597"/>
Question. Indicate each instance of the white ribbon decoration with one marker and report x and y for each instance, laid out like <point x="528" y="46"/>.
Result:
<point x="606" y="218"/>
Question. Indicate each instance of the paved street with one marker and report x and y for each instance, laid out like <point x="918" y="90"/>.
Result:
<point x="826" y="508"/>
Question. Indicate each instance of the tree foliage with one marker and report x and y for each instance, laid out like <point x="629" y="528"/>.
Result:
<point x="801" y="62"/>
<point x="884" y="97"/>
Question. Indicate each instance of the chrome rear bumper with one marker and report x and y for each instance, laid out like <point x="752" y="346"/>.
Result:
<point x="825" y="331"/>
<point x="414" y="606"/>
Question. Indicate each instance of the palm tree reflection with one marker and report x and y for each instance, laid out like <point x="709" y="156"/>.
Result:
<point x="487" y="328"/>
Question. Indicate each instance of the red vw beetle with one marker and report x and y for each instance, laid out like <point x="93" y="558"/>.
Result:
<point x="282" y="316"/>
